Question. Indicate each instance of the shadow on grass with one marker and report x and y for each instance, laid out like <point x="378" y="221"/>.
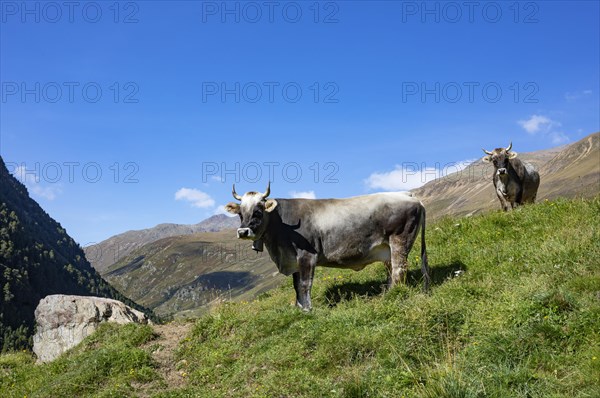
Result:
<point x="438" y="274"/>
<point x="345" y="291"/>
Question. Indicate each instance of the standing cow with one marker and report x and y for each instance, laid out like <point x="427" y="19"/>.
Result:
<point x="344" y="233"/>
<point x="516" y="182"/>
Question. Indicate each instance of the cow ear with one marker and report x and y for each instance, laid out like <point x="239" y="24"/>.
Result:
<point x="233" y="208"/>
<point x="487" y="158"/>
<point x="270" y="205"/>
<point x="512" y="155"/>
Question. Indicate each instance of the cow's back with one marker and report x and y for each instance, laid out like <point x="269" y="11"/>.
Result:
<point x="360" y="214"/>
<point x="531" y="183"/>
<point x="529" y="179"/>
<point x="344" y="230"/>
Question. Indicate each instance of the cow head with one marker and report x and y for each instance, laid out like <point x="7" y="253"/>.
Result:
<point x="500" y="157"/>
<point x="254" y="212"/>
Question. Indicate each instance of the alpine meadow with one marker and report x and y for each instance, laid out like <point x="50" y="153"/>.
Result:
<point x="300" y="199"/>
<point x="513" y="312"/>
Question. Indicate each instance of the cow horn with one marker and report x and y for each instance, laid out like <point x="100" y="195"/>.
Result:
<point x="488" y="152"/>
<point x="268" y="192"/>
<point x="235" y="195"/>
<point x="509" y="147"/>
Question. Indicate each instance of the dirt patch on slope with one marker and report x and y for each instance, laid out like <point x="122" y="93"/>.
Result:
<point x="163" y="350"/>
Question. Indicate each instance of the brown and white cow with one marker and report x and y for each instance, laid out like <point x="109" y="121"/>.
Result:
<point x="516" y="182"/>
<point x="344" y="233"/>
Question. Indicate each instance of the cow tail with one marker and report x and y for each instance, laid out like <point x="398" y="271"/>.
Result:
<point x="424" y="264"/>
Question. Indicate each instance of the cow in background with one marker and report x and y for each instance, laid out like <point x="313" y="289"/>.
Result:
<point x="516" y="182"/>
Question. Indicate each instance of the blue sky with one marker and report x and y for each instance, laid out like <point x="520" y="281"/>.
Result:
<point x="124" y="117"/>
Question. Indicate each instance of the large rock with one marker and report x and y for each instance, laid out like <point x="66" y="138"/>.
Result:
<point x="64" y="321"/>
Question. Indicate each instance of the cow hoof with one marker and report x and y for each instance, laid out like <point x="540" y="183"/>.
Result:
<point x="304" y="309"/>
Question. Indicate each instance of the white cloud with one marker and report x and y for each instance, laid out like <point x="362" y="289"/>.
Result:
<point x="546" y="126"/>
<point x="558" y="137"/>
<point x="49" y="193"/>
<point x="401" y="178"/>
<point x="412" y="175"/>
<point x="536" y="123"/>
<point x="26" y="178"/>
<point x="303" y="194"/>
<point x="195" y="197"/>
<point x="577" y="95"/>
<point x="458" y="166"/>
<point x="221" y="210"/>
<point x="33" y="183"/>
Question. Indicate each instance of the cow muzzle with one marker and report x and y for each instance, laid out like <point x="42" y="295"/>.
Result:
<point x="245" y="233"/>
<point x="502" y="171"/>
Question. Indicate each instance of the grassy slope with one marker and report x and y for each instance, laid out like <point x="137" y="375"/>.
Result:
<point x="107" y="364"/>
<point x="522" y="320"/>
<point x="185" y="274"/>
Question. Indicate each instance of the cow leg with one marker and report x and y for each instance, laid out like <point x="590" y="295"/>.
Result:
<point x="296" y="276"/>
<point x="519" y="197"/>
<point x="505" y="204"/>
<point x="398" y="246"/>
<point x="388" y="266"/>
<point x="303" y="280"/>
<point x="503" y="201"/>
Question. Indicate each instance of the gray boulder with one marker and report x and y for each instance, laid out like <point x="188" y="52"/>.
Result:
<point x="64" y="321"/>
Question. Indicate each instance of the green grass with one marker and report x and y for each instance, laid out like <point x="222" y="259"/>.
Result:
<point x="108" y="363"/>
<point x="521" y="320"/>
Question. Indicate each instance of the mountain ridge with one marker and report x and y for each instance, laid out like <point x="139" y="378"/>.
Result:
<point x="111" y="250"/>
<point x="187" y="273"/>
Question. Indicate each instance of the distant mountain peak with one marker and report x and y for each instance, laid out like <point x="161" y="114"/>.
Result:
<point x="111" y="250"/>
<point x="215" y="217"/>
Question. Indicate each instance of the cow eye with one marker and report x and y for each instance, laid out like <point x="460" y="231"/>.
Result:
<point x="257" y="213"/>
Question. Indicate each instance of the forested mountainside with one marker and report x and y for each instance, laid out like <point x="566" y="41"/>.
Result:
<point x="37" y="258"/>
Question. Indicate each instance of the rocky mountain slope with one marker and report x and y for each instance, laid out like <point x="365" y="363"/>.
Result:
<point x="37" y="258"/>
<point x="184" y="274"/>
<point x="575" y="171"/>
<point x="111" y="250"/>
